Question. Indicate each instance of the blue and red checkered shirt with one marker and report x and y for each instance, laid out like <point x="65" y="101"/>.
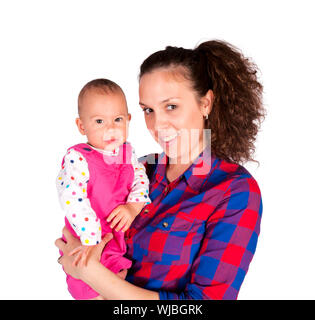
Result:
<point x="198" y="236"/>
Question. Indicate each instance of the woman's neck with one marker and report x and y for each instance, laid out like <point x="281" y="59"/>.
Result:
<point x="176" y="167"/>
<point x="173" y="171"/>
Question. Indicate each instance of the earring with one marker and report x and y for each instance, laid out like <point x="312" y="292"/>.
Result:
<point x="206" y="117"/>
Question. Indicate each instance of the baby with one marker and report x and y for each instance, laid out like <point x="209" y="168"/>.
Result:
<point x="101" y="186"/>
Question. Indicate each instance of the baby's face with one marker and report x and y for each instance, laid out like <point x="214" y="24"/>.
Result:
<point x="104" y="119"/>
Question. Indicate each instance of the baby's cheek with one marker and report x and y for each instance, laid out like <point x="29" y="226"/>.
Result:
<point x="122" y="136"/>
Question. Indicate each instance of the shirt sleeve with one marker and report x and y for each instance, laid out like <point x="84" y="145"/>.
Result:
<point x="228" y="245"/>
<point x="71" y="184"/>
<point x="140" y="186"/>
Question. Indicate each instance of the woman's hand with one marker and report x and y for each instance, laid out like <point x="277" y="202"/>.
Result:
<point x="109" y="285"/>
<point x="82" y="254"/>
<point x="72" y="243"/>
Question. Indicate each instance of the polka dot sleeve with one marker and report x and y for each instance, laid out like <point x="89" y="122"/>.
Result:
<point x="72" y="191"/>
<point x="140" y="186"/>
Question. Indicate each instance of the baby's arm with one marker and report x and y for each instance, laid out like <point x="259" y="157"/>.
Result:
<point x="72" y="190"/>
<point x="123" y="215"/>
<point x="140" y="187"/>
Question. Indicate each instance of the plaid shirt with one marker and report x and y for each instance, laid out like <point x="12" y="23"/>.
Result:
<point x="198" y="236"/>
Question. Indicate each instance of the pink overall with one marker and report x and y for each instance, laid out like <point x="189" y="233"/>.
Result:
<point x="109" y="184"/>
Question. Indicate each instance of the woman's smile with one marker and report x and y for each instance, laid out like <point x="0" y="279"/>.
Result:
<point x="168" y="140"/>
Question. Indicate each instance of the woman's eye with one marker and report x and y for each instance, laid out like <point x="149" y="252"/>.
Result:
<point x="119" y="119"/>
<point x="99" y="121"/>
<point x="147" y="110"/>
<point x="171" y="106"/>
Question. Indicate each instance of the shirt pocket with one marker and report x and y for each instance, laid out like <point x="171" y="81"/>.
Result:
<point x="171" y="238"/>
<point x="176" y="223"/>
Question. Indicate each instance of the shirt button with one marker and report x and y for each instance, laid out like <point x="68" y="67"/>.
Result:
<point x="146" y="211"/>
<point x="166" y="189"/>
<point x="165" y="224"/>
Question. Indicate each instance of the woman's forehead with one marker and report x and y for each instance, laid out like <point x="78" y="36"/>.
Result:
<point x="163" y="85"/>
<point x="170" y="74"/>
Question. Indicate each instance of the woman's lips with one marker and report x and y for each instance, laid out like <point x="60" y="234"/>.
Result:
<point x="168" y="140"/>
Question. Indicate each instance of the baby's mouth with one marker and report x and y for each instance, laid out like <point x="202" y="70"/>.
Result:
<point x="111" y="140"/>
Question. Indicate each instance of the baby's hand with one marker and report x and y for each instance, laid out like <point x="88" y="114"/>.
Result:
<point x="123" y="215"/>
<point x="82" y="254"/>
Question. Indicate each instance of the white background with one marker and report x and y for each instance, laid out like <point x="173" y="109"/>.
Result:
<point x="49" y="49"/>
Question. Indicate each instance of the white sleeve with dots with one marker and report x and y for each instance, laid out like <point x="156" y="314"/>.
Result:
<point x="72" y="191"/>
<point x="140" y="186"/>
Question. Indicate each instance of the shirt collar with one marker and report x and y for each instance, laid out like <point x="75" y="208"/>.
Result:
<point x="196" y="174"/>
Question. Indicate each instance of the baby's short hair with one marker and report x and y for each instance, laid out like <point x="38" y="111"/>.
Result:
<point x="99" y="85"/>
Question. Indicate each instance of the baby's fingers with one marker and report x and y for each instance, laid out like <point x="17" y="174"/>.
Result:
<point x="122" y="222"/>
<point x="126" y="227"/>
<point x="116" y="220"/>
<point x="113" y="214"/>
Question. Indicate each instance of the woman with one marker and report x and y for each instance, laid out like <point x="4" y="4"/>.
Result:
<point x="197" y="237"/>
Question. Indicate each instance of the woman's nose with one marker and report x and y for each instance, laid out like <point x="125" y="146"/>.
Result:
<point x="161" y="122"/>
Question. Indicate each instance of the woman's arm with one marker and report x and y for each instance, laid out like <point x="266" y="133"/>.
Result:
<point x="111" y="287"/>
<point x="102" y="280"/>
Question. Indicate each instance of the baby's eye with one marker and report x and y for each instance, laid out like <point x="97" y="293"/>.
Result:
<point x="147" y="110"/>
<point x="99" y="121"/>
<point x="171" y="106"/>
<point x="119" y="119"/>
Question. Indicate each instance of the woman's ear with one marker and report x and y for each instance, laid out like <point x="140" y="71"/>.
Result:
<point x="129" y="117"/>
<point x="207" y="103"/>
<point x="80" y="126"/>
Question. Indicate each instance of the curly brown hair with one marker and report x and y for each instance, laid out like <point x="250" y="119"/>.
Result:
<point x="237" y="110"/>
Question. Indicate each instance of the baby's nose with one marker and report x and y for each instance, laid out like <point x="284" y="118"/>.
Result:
<point x="109" y="132"/>
<point x="109" y="127"/>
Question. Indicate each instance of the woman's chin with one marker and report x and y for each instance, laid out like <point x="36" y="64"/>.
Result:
<point x="176" y="157"/>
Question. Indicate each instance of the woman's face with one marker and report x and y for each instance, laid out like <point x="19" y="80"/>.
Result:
<point x="173" y="114"/>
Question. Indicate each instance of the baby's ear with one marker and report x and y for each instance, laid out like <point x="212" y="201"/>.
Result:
<point x="80" y="126"/>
